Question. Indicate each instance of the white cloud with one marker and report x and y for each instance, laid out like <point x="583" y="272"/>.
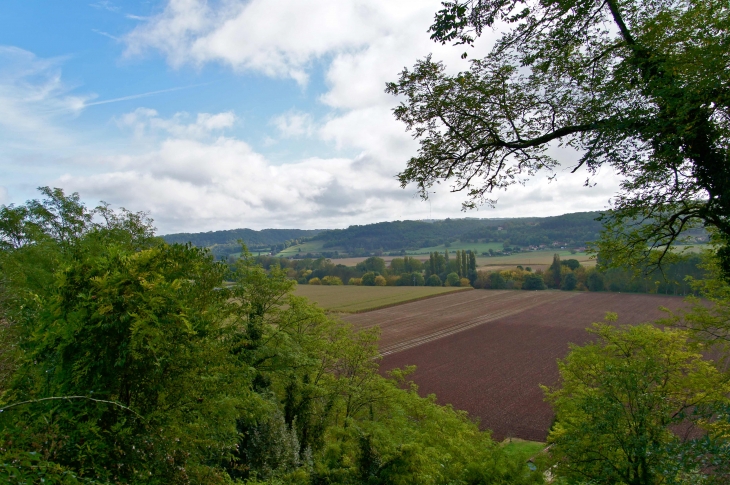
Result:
<point x="276" y="38"/>
<point x="197" y="185"/>
<point x="146" y="121"/>
<point x="294" y="124"/>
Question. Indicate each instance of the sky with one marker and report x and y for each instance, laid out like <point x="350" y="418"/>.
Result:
<point x="227" y="113"/>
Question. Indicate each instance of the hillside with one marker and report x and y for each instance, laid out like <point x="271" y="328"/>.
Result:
<point x="223" y="243"/>
<point x="571" y="229"/>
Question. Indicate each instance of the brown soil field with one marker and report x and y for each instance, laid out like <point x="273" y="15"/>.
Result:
<point x="487" y="352"/>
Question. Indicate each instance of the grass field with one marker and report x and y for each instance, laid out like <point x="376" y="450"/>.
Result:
<point x="533" y="258"/>
<point x="307" y="247"/>
<point x="522" y="449"/>
<point x="356" y="299"/>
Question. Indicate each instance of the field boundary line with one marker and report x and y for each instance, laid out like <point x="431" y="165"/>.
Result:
<point x="475" y="322"/>
<point x="389" y="305"/>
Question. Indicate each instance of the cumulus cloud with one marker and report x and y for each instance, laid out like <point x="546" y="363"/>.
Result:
<point x="197" y="185"/>
<point x="294" y="124"/>
<point x="146" y="121"/>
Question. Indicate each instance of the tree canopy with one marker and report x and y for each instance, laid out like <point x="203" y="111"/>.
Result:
<point x="641" y="87"/>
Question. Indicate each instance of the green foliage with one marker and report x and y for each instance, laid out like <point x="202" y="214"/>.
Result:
<point x="595" y="281"/>
<point x="640" y="87"/>
<point x="570" y="282"/>
<point x="452" y="279"/>
<point x="372" y="264"/>
<point x="533" y="281"/>
<point x="368" y="279"/>
<point x="621" y="403"/>
<point x="131" y="362"/>
<point x="433" y="280"/>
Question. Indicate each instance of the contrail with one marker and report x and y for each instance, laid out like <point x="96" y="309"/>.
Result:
<point x="143" y="95"/>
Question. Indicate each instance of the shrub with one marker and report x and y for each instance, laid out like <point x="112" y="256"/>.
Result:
<point x="368" y="279"/>
<point x="464" y="282"/>
<point x="570" y="281"/>
<point x="595" y="281"/>
<point x="533" y="282"/>
<point x="355" y="281"/>
<point x="380" y="281"/>
<point x="452" y="279"/>
<point x="433" y="280"/>
<point x="332" y="280"/>
<point x="315" y="281"/>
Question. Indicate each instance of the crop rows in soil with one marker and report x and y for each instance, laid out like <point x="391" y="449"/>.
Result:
<point x="487" y="352"/>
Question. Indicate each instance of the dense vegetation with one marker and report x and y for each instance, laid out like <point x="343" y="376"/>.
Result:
<point x="573" y="230"/>
<point x="125" y="360"/>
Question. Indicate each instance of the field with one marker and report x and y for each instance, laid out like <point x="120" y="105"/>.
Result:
<point x="354" y="299"/>
<point x="535" y="259"/>
<point x="307" y="247"/>
<point x="487" y="352"/>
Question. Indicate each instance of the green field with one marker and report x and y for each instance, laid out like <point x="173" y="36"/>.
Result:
<point x="534" y="258"/>
<point x="356" y="299"/>
<point x="307" y="247"/>
<point x="522" y="449"/>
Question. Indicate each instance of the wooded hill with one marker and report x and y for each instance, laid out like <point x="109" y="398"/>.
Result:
<point x="571" y="229"/>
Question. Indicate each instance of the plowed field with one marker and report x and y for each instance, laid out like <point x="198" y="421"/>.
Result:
<point x="487" y="352"/>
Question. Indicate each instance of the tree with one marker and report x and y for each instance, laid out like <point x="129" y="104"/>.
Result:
<point x="368" y="279"/>
<point x="639" y="86"/>
<point x="380" y="281"/>
<point x="570" y="282"/>
<point x="621" y="401"/>
<point x="595" y="281"/>
<point x="433" y="280"/>
<point x="452" y="279"/>
<point x="553" y="273"/>
<point x="533" y="281"/>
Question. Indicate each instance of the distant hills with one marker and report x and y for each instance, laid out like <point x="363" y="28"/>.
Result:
<point x="223" y="243"/>
<point x="571" y="230"/>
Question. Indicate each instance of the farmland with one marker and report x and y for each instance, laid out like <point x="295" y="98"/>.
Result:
<point x="354" y="299"/>
<point x="487" y="352"/>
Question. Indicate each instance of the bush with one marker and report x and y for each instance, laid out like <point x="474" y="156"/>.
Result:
<point x="368" y="279"/>
<point x="570" y="281"/>
<point x="355" y="281"/>
<point x="412" y="279"/>
<point x="452" y="279"/>
<point x="380" y="281"/>
<point x="595" y="281"/>
<point x="331" y="280"/>
<point x="433" y="280"/>
<point x="315" y="281"/>
<point x="464" y="282"/>
<point x="533" y="282"/>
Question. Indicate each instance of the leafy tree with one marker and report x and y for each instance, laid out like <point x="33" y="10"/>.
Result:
<point x="372" y="264"/>
<point x="573" y="264"/>
<point x="452" y="279"/>
<point x="368" y="279"/>
<point x="433" y="280"/>
<point x="620" y="402"/>
<point x="553" y="273"/>
<point x="638" y="86"/>
<point x="314" y="281"/>
<point x="331" y="280"/>
<point x="380" y="281"/>
<point x="595" y="281"/>
<point x="533" y="281"/>
<point x="497" y="282"/>
<point x="570" y="282"/>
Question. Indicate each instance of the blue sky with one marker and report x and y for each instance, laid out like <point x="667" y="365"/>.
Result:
<point x="224" y="114"/>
